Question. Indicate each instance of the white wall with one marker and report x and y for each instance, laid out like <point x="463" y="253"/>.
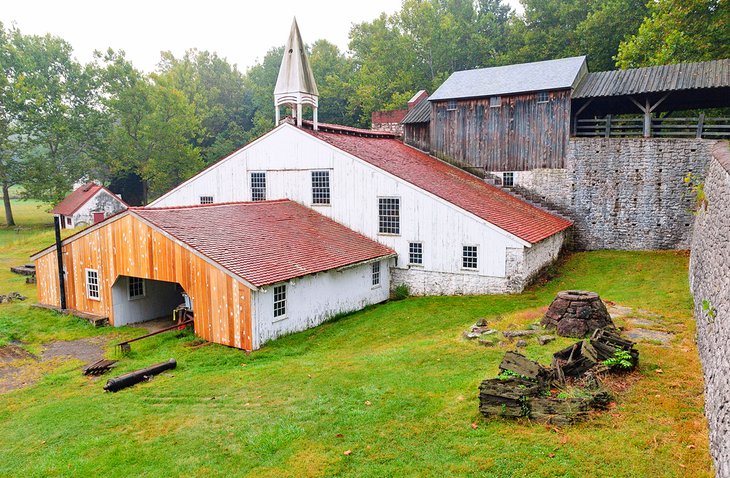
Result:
<point x="159" y="301"/>
<point x="289" y="155"/>
<point x="315" y="298"/>
<point x="102" y="201"/>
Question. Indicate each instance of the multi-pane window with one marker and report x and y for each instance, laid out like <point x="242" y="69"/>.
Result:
<point x="415" y="253"/>
<point x="280" y="301"/>
<point x="320" y="187"/>
<point x="258" y="186"/>
<point x="495" y="101"/>
<point x="92" y="284"/>
<point x="451" y="105"/>
<point x="206" y="199"/>
<point x="469" y="258"/>
<point x="389" y="215"/>
<point x="135" y="288"/>
<point x="542" y="97"/>
<point x="376" y="273"/>
<point x="508" y="179"/>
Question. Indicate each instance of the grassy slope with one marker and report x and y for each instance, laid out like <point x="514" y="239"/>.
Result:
<point x="294" y="407"/>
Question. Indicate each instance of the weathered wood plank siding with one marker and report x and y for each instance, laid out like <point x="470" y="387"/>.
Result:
<point x="129" y="247"/>
<point x="418" y="135"/>
<point x="519" y="135"/>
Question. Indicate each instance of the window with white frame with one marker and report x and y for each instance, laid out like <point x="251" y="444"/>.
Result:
<point x="258" y="186"/>
<point x="451" y="105"/>
<point x="320" y="187"/>
<point x="508" y="179"/>
<point x="543" y="97"/>
<point x="68" y="221"/>
<point x="389" y="215"/>
<point x="495" y="101"/>
<point x="280" y="301"/>
<point x="415" y="253"/>
<point x="376" y="273"/>
<point x="92" y="284"/>
<point x="469" y="258"/>
<point x="135" y="288"/>
<point x="206" y="199"/>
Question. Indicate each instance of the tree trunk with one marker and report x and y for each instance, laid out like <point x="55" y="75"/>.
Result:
<point x="9" y="220"/>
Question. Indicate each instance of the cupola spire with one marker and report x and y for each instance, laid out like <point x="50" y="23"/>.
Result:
<point x="295" y="85"/>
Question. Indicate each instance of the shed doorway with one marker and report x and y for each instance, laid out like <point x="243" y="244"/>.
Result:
<point x="136" y="300"/>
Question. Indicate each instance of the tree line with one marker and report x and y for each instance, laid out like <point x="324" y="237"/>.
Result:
<point x="62" y="121"/>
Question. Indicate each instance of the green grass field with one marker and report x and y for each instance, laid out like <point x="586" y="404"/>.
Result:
<point x="395" y="385"/>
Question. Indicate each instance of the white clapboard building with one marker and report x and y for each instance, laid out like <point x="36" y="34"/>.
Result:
<point x="452" y="232"/>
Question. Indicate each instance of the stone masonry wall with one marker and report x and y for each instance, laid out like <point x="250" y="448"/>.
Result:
<point x="710" y="284"/>
<point x="629" y="193"/>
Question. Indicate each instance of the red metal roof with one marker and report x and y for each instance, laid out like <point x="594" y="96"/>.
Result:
<point x="78" y="198"/>
<point x="452" y="184"/>
<point x="267" y="241"/>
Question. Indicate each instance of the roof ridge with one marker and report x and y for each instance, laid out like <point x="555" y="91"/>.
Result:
<point x="200" y="206"/>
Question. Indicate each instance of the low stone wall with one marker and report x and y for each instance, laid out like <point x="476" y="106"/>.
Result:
<point x="710" y="285"/>
<point x="521" y="265"/>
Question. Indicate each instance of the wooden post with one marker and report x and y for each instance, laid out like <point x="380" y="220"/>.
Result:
<point x="647" y="120"/>
<point x="608" y="126"/>
<point x="299" y="114"/>
<point x="700" y="125"/>
<point x="59" y="258"/>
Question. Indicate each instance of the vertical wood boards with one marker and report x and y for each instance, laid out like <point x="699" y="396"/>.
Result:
<point x="519" y="135"/>
<point x="417" y="135"/>
<point x="129" y="247"/>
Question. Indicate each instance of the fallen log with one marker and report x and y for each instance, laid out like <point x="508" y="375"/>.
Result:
<point x="506" y="398"/>
<point x="133" y="378"/>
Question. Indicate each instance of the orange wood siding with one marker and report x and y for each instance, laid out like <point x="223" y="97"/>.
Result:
<point x="129" y="247"/>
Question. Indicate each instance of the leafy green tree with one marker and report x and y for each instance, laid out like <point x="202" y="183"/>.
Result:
<point x="677" y="31"/>
<point x="10" y="171"/>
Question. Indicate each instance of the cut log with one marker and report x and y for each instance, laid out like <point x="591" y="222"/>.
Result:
<point x="506" y="398"/>
<point x="559" y="411"/>
<point x="521" y="365"/>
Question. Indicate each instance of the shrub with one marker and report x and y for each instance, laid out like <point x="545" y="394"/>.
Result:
<point x="400" y="292"/>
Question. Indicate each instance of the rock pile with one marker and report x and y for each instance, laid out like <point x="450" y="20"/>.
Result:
<point x="13" y="296"/>
<point x="577" y="313"/>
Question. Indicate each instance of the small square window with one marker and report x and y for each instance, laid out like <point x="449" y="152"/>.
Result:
<point x="469" y="258"/>
<point x="258" y="186"/>
<point x="280" y="301"/>
<point x="92" y="284"/>
<point x="415" y="253"/>
<point x="495" y="101"/>
<point x="135" y="288"/>
<point x="389" y="215"/>
<point x="508" y="179"/>
<point x="320" y="187"/>
<point x="206" y="199"/>
<point x="376" y="273"/>
<point x="451" y="105"/>
<point x="543" y="97"/>
<point x="68" y="221"/>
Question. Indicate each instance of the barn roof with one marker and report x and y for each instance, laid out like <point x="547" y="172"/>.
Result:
<point x="78" y="198"/>
<point x="654" y="79"/>
<point x="421" y="113"/>
<point x="267" y="241"/>
<point x="494" y="205"/>
<point x="510" y="79"/>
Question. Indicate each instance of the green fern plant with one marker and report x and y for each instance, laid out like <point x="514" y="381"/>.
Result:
<point x="621" y="359"/>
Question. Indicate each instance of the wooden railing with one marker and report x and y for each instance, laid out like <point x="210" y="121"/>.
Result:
<point x="636" y="127"/>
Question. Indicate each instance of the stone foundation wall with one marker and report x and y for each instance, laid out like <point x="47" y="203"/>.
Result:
<point x="710" y="285"/>
<point x="630" y="194"/>
<point x="521" y="266"/>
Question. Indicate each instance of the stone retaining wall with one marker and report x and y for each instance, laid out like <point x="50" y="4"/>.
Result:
<point x="710" y="285"/>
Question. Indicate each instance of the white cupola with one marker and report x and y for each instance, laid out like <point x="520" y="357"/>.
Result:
<point x="295" y="85"/>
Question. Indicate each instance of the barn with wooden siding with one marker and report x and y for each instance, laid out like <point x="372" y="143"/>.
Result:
<point x="252" y="271"/>
<point x="417" y="126"/>
<point x="507" y="118"/>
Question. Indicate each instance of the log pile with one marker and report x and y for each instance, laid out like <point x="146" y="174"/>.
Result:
<point x="524" y="388"/>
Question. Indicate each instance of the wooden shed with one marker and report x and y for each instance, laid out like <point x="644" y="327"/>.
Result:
<point x="506" y="118"/>
<point x="230" y="259"/>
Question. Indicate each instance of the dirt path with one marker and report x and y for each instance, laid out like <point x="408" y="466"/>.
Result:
<point x="19" y="368"/>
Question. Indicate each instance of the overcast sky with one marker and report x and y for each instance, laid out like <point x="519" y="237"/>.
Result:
<point x="241" y="31"/>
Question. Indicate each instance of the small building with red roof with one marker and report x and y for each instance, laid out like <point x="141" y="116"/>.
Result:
<point x="86" y="205"/>
<point x="250" y="271"/>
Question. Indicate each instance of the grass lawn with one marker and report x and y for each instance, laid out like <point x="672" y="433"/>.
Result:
<point x="395" y="384"/>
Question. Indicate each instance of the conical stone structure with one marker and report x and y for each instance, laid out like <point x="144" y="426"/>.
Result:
<point x="295" y="85"/>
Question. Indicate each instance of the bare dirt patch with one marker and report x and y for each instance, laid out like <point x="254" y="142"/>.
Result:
<point x="19" y="368"/>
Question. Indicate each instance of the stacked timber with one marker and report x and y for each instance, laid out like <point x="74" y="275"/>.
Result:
<point x="524" y="388"/>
